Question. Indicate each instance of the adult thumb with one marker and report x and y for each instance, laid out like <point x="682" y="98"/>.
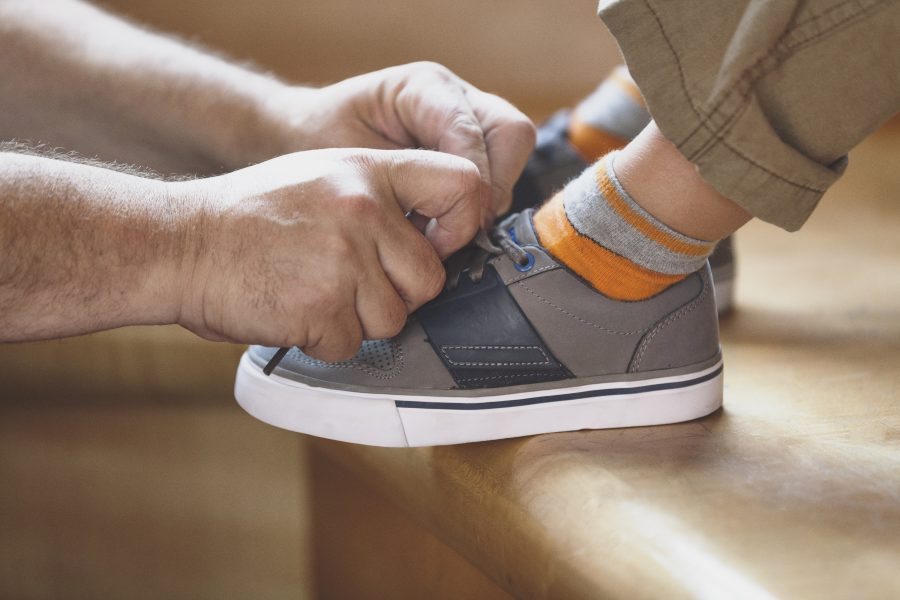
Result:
<point x="445" y="188"/>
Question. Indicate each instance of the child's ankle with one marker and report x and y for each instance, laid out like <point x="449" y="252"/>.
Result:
<point x="669" y="187"/>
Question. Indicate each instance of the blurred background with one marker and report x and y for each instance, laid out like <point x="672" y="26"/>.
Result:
<point x="539" y="54"/>
<point x="126" y="469"/>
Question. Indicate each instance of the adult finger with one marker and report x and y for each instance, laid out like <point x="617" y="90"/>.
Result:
<point x="339" y="338"/>
<point x="382" y="313"/>
<point x="410" y="263"/>
<point x="509" y="139"/>
<point x="432" y="105"/>
<point x="442" y="187"/>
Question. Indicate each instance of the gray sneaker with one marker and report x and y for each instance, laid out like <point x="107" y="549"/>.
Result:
<point x="516" y="345"/>
<point x="555" y="162"/>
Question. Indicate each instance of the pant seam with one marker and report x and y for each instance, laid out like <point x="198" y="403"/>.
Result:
<point x="754" y="73"/>
<point x="788" y="44"/>
<point x="781" y="51"/>
<point x="699" y="114"/>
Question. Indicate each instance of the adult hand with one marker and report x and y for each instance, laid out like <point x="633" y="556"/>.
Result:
<point x="314" y="249"/>
<point x="416" y="105"/>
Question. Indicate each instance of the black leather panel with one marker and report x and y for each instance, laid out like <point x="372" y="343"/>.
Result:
<point x="484" y="339"/>
<point x="527" y="193"/>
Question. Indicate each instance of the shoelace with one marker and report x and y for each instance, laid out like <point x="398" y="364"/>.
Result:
<point x="485" y="246"/>
<point x="471" y="259"/>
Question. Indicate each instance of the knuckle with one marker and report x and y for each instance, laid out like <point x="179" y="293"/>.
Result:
<point x="310" y="341"/>
<point x="470" y="179"/>
<point x="324" y="300"/>
<point x="324" y="353"/>
<point x="395" y="320"/>
<point x="524" y="129"/>
<point x="348" y="345"/>
<point x="463" y="123"/>
<point x="431" y="66"/>
<point x="293" y="336"/>
<point x="387" y="328"/>
<point x="386" y="317"/>
<point x="339" y="251"/>
<point x="334" y="347"/>
<point x="393" y="329"/>
<point x="431" y="279"/>
<point x="436" y="284"/>
<point x="363" y="206"/>
<point x="288" y="338"/>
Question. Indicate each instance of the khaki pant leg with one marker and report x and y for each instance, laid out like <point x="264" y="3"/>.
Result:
<point x="765" y="97"/>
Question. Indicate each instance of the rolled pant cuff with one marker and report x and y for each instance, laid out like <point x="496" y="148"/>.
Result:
<point x="733" y="145"/>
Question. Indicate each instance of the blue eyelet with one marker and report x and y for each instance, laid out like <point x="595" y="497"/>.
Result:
<point x="527" y="266"/>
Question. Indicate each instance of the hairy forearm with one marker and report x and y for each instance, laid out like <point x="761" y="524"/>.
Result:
<point x="84" y="248"/>
<point x="74" y="76"/>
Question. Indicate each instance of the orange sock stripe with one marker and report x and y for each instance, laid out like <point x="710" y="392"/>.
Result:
<point x="627" y="85"/>
<point x="611" y="274"/>
<point x="639" y="222"/>
<point x="592" y="143"/>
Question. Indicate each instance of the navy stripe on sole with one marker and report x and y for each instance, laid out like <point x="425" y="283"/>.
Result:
<point x="560" y="397"/>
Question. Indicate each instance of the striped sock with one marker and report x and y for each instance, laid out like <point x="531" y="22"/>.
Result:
<point x="597" y="230"/>
<point x="609" y="118"/>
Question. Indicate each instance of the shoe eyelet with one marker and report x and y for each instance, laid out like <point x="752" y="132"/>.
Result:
<point x="527" y="266"/>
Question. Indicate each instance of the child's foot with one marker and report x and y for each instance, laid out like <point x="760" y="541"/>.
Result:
<point x="569" y="141"/>
<point x="517" y="345"/>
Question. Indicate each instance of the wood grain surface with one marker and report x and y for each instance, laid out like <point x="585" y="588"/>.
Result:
<point x="791" y="491"/>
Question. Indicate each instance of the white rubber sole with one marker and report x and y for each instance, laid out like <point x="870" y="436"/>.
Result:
<point x="407" y="420"/>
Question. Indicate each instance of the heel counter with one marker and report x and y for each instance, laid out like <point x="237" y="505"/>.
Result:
<point x="686" y="336"/>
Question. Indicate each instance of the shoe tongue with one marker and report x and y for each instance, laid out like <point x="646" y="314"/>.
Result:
<point x="523" y="229"/>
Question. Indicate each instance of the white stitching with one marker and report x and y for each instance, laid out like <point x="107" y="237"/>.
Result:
<point x="495" y="348"/>
<point x="444" y="349"/>
<point x="577" y="318"/>
<point x="531" y="274"/>
<point x="510" y="376"/>
<point x="684" y="310"/>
